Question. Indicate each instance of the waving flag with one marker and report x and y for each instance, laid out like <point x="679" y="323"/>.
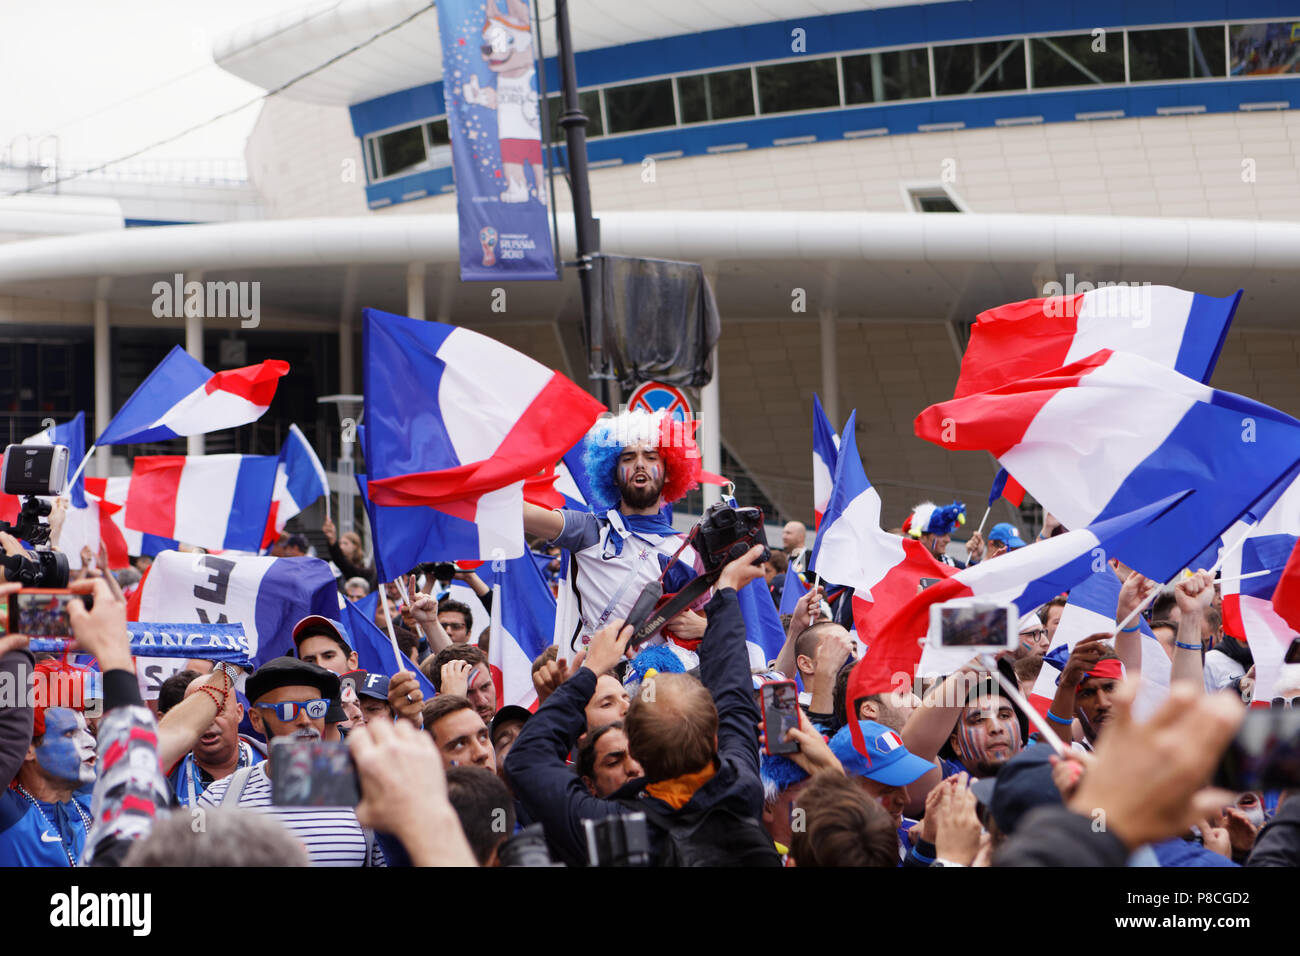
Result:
<point x="299" y="480"/>
<point x="523" y="625"/>
<point x="1179" y="330"/>
<point x="266" y="595"/>
<point x="1091" y="610"/>
<point x="375" y="651"/>
<point x="1004" y="486"/>
<point x="453" y="416"/>
<point x="1286" y="596"/>
<point x="219" y="502"/>
<point x="71" y="433"/>
<point x="182" y="397"/>
<point x="826" y="446"/>
<point x="1107" y="435"/>
<point x="852" y="550"/>
<point x="1271" y="529"/>
<point x="1026" y="577"/>
<point x="111" y="495"/>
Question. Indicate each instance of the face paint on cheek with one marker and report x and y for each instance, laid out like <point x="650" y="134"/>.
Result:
<point x="66" y="756"/>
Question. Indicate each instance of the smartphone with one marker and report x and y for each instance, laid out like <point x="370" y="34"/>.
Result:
<point x="779" y="701"/>
<point x="973" y="624"/>
<point x="43" y="612"/>
<point x="313" y="773"/>
<point x="926" y="582"/>
<point x="1292" y="655"/>
<point x="1265" y="753"/>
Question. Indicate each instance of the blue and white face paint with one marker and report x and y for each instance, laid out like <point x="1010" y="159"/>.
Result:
<point x="67" y="752"/>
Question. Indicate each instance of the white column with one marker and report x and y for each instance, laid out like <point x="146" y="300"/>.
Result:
<point x="347" y="306"/>
<point x="194" y="444"/>
<point x="711" y="410"/>
<point x="415" y="290"/>
<point x="103" y="376"/>
<point x="830" y="369"/>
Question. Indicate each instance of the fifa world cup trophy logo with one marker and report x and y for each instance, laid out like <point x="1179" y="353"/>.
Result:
<point x="487" y="237"/>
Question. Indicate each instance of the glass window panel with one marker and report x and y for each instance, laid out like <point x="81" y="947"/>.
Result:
<point x="1263" y="48"/>
<point x="1179" y="54"/>
<point x="640" y="106"/>
<point x="807" y="85"/>
<point x="878" y="77"/>
<point x="936" y="203"/>
<point x="438" y="134"/>
<point x="588" y="102"/>
<point x="979" y="68"/>
<point x="400" y="150"/>
<point x="715" y="96"/>
<point x="1077" y="60"/>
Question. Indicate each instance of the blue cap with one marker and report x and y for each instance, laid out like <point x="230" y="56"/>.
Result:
<point x="891" y="763"/>
<point x="1008" y="534"/>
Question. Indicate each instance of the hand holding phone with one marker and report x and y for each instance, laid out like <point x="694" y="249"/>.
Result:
<point x="312" y="773"/>
<point x="973" y="624"/>
<point x="780" y="704"/>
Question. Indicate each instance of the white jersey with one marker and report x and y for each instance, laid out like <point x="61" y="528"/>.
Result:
<point x="517" y="110"/>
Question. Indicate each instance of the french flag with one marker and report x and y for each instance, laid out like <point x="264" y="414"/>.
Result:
<point x="1026" y="577"/>
<point x="111" y="495"/>
<point x="1271" y="530"/>
<point x="1179" y="330"/>
<point x="1090" y="609"/>
<point x="1286" y="596"/>
<point x="299" y="480"/>
<point x="183" y="397"/>
<point x="218" y="502"/>
<point x="852" y="550"/>
<point x="826" y="445"/>
<point x="453" y="416"/>
<point x="71" y="433"/>
<point x="375" y="649"/>
<point x="1004" y="486"/>
<point x="523" y="626"/>
<point x="1109" y="434"/>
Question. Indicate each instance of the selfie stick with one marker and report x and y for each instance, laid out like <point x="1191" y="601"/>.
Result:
<point x="1035" y="718"/>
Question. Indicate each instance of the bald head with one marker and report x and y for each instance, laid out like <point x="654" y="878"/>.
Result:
<point x="793" y="535"/>
<point x="672" y="726"/>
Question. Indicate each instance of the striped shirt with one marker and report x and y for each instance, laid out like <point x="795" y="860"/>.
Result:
<point x="331" y="835"/>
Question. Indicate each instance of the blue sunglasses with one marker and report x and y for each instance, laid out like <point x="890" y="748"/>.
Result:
<point x="288" y="710"/>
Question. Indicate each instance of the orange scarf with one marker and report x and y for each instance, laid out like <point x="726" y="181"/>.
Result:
<point x="678" y="791"/>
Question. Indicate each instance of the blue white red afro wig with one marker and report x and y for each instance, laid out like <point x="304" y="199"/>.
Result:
<point x="929" y="518"/>
<point x="609" y="436"/>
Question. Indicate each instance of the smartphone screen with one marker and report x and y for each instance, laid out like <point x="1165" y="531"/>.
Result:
<point x="40" y="612"/>
<point x="312" y="773"/>
<point x="974" y="625"/>
<point x="780" y="702"/>
<point x="926" y="582"/>
<point x="1265" y="754"/>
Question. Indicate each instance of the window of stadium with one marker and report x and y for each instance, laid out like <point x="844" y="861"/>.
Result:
<point x="1077" y="60"/>
<point x="1263" y="48"/>
<point x="400" y="150"/>
<point x="979" y="68"/>
<point x="439" y="138"/>
<point x="805" y="85"/>
<point x="1179" y="54"/>
<point x="716" y="96"/>
<point x="640" y="106"/>
<point x="933" y="197"/>
<point x="892" y="75"/>
<point x="588" y="102"/>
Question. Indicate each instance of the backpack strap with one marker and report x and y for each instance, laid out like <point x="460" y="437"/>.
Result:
<point x="238" y="781"/>
<point x="369" y="834"/>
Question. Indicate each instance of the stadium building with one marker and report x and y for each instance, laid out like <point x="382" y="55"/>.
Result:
<point x="859" y="181"/>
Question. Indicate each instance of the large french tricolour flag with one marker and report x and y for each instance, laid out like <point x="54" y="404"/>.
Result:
<point x="852" y="550"/>
<point x="1026" y="577"/>
<point x="1091" y="610"/>
<point x="111" y="494"/>
<point x="1114" y="432"/>
<point x="523" y="625"/>
<point x="218" y="502"/>
<point x="826" y="447"/>
<point x="1271" y="529"/>
<point x="453" y="416"/>
<point x="183" y="397"/>
<point x="1179" y="330"/>
<point x="299" y="480"/>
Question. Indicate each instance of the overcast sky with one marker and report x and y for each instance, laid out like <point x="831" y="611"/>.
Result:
<point x="112" y="76"/>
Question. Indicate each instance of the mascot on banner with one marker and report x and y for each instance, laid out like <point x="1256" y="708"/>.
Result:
<point x="508" y="51"/>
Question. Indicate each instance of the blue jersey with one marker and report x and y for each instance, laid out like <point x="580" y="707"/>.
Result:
<point x="42" y="837"/>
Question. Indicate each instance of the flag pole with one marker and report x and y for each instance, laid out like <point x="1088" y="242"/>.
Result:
<point x="1252" y="574"/>
<point x="980" y="529"/>
<point x="402" y="660"/>
<point x="1034" y="716"/>
<point x="81" y="467"/>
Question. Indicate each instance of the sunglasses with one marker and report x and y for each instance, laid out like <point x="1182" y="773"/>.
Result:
<point x="288" y="710"/>
<point x="1285" y="703"/>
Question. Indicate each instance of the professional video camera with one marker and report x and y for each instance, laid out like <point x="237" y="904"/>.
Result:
<point x="723" y="534"/>
<point x="28" y="471"/>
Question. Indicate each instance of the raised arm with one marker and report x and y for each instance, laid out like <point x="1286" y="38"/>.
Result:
<point x="542" y="522"/>
<point x="800" y="620"/>
<point x="1128" y="642"/>
<point x="1194" y="595"/>
<point x="185" y="723"/>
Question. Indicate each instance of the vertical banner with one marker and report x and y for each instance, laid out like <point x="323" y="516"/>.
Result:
<point x="489" y="80"/>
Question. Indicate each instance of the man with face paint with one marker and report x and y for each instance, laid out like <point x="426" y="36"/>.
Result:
<point x="986" y="736"/>
<point x="289" y="698"/>
<point x="1086" y="686"/>
<point x="635" y="463"/>
<point x="45" y="814"/>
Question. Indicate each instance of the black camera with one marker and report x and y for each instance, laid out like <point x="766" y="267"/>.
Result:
<point x="31" y="470"/>
<point x="619" y="840"/>
<point x="726" y="532"/>
<point x="526" y="848"/>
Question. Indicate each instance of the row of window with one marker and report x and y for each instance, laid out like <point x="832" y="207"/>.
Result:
<point x="1102" y="57"/>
